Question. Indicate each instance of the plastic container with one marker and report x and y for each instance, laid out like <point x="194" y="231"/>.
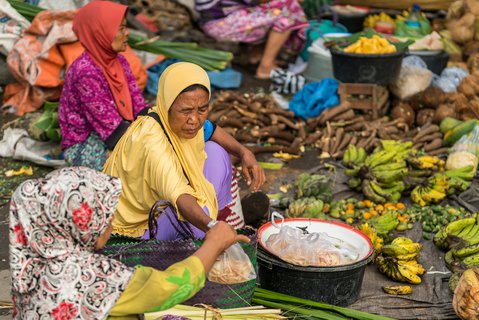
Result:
<point x="319" y="67"/>
<point x="338" y="285"/>
<point x="380" y="69"/>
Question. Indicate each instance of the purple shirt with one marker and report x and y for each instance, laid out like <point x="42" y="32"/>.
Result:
<point x="87" y="104"/>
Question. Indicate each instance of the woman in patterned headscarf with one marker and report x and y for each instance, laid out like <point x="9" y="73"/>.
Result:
<point x="57" y="222"/>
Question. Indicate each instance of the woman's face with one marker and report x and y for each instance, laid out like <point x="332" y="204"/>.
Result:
<point x="121" y="39"/>
<point x="188" y="113"/>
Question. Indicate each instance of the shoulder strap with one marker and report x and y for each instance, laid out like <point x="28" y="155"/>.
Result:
<point x="155" y="116"/>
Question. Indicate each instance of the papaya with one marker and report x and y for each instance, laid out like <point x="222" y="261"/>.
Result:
<point x="451" y="136"/>
<point x="449" y="123"/>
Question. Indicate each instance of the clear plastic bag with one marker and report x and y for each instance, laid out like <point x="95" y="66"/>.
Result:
<point x="465" y="151"/>
<point x="233" y="266"/>
<point x="315" y="249"/>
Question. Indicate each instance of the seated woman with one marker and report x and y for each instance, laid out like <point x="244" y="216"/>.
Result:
<point x="57" y="222"/>
<point x="100" y="96"/>
<point x="252" y="21"/>
<point x="162" y="156"/>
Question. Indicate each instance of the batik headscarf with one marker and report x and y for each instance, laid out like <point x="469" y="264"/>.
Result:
<point x="96" y="26"/>
<point x="54" y="224"/>
<point x="151" y="168"/>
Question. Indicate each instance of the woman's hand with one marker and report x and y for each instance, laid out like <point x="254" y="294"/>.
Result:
<point x="217" y="239"/>
<point x="251" y="169"/>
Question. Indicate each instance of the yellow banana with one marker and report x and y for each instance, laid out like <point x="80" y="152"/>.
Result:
<point x="398" y="290"/>
<point x="409" y="275"/>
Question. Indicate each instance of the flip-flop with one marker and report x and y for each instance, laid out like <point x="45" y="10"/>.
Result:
<point x="286" y="82"/>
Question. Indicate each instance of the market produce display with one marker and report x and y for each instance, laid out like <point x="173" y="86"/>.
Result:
<point x="376" y="240"/>
<point x="383" y="218"/>
<point x="398" y="260"/>
<point x="256" y="118"/>
<point x="433" y="217"/>
<point x="312" y="196"/>
<point x="460" y="239"/>
<point x="379" y="175"/>
<point x="373" y="45"/>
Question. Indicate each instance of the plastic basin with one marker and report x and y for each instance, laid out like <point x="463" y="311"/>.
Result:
<point x="435" y="61"/>
<point x="366" y="68"/>
<point x="337" y="285"/>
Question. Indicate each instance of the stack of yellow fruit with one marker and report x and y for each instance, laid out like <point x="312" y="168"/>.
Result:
<point x="374" y="45"/>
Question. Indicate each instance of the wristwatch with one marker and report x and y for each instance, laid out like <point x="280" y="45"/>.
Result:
<point x="211" y="224"/>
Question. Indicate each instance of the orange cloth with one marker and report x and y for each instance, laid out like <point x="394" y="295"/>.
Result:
<point x="96" y="26"/>
<point x="39" y="57"/>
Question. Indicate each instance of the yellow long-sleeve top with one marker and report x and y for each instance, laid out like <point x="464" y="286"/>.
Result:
<point x="153" y="290"/>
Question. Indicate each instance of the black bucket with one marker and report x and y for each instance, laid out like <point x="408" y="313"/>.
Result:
<point x="339" y="285"/>
<point x="435" y="62"/>
<point x="366" y="68"/>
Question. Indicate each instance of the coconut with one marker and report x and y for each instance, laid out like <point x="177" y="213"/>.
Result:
<point x="444" y="111"/>
<point x="424" y="116"/>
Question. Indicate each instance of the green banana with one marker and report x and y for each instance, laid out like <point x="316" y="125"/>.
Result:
<point x="455" y="227"/>
<point x="354" y="182"/>
<point x="388" y="177"/>
<point x="382" y="157"/>
<point x="466" y="251"/>
<point x="370" y="194"/>
<point x="466" y="172"/>
<point x="471" y="261"/>
<point x="361" y="156"/>
<point x="380" y="191"/>
<point x="352" y="171"/>
<point x="390" y="166"/>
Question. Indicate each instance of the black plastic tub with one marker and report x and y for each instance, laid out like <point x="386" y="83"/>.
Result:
<point x="339" y="285"/>
<point x="366" y="68"/>
<point x="436" y="62"/>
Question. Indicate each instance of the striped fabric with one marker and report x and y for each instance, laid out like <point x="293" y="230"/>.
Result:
<point x="286" y="82"/>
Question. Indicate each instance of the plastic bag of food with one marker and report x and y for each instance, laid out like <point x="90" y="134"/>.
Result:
<point x="465" y="151"/>
<point x="233" y="266"/>
<point x="411" y="81"/>
<point x="302" y="248"/>
<point x="414" y="61"/>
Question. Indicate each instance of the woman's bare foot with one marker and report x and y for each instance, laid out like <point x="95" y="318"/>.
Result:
<point x="264" y="72"/>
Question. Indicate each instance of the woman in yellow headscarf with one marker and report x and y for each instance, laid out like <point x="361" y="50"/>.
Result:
<point x="162" y="157"/>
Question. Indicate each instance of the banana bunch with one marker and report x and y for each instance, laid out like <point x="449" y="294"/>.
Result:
<point x="398" y="260"/>
<point x="461" y="239"/>
<point x="306" y="207"/>
<point x="385" y="223"/>
<point x="316" y="186"/>
<point x="459" y="179"/>
<point x="397" y="290"/>
<point x="380" y="175"/>
<point x="354" y="157"/>
<point x="427" y="163"/>
<point x="376" y="240"/>
<point x="417" y="177"/>
<point x="434" y="190"/>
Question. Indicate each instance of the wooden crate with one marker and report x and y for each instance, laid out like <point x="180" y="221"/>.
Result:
<point x="370" y="98"/>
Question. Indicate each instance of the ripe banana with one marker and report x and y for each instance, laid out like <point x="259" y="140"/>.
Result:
<point x="398" y="290"/>
<point x="407" y="273"/>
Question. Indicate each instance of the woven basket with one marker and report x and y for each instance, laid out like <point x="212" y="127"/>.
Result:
<point x="162" y="254"/>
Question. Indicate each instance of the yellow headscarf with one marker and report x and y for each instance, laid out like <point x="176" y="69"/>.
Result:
<point x="148" y="166"/>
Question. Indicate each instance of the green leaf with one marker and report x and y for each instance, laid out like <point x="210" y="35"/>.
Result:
<point x="54" y="134"/>
<point x="50" y="106"/>
<point x="43" y="123"/>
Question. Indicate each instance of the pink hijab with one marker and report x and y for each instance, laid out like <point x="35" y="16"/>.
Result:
<point x="96" y="25"/>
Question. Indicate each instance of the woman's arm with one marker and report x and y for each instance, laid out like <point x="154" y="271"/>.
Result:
<point x="151" y="289"/>
<point x="192" y="212"/>
<point x="250" y="166"/>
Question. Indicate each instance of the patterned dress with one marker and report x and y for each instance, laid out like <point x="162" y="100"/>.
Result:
<point x="87" y="111"/>
<point x="246" y="21"/>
